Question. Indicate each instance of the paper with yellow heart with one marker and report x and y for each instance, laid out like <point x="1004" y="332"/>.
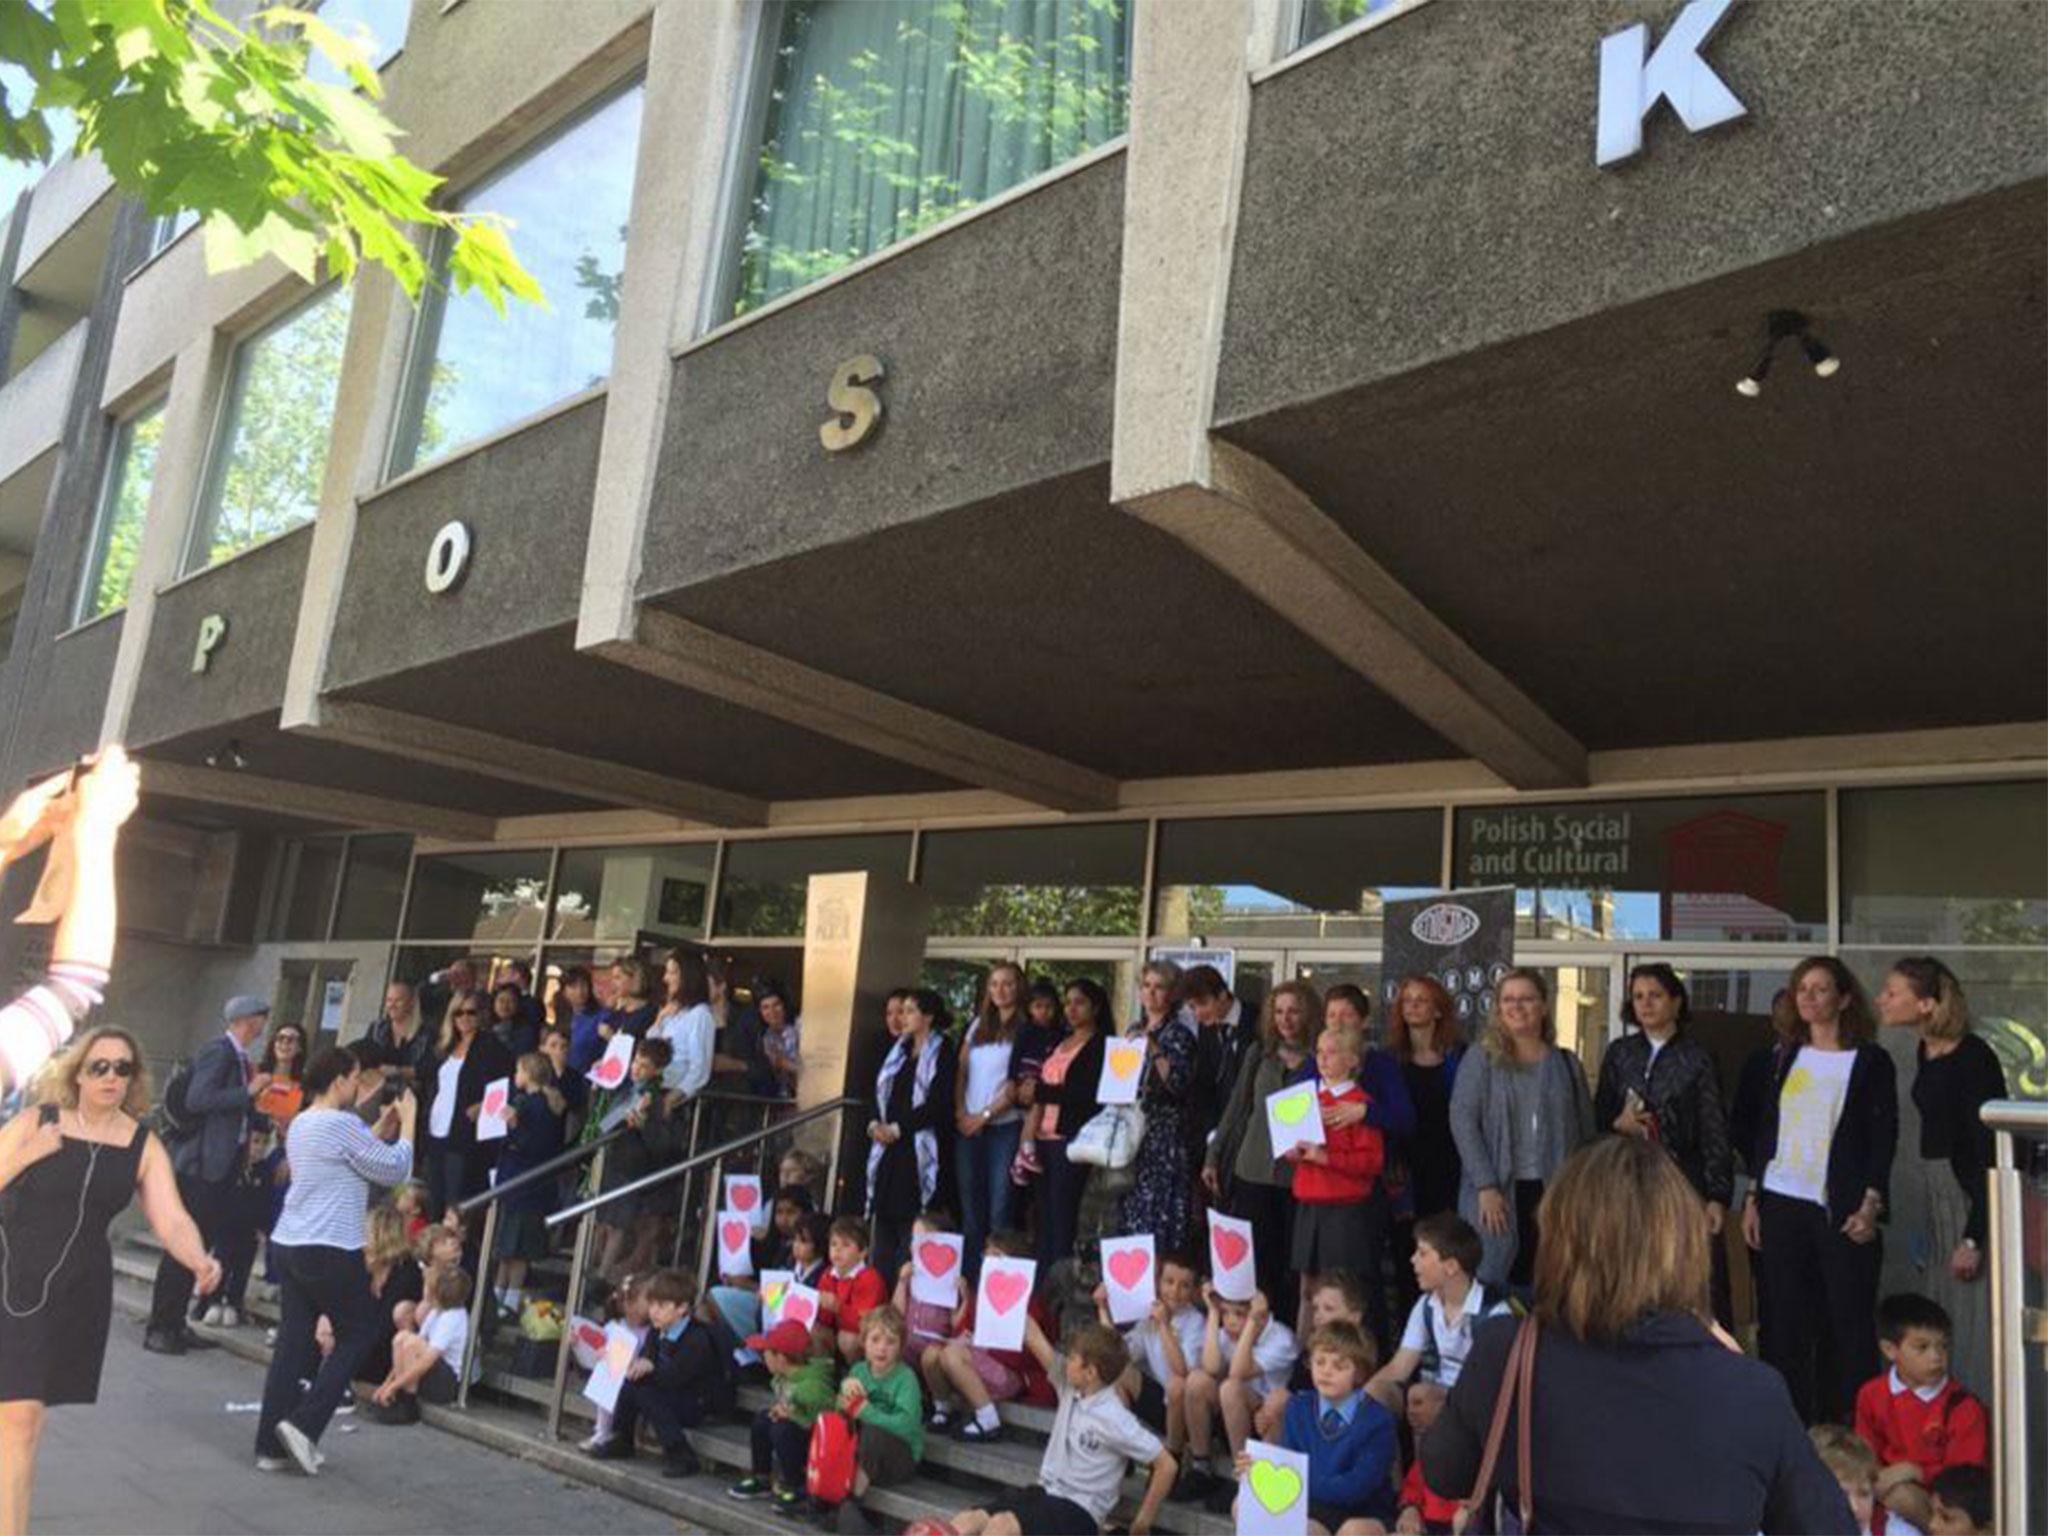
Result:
<point x="1274" y="1501"/>
<point x="1123" y="1070"/>
<point x="1293" y="1119"/>
<point x="774" y="1291"/>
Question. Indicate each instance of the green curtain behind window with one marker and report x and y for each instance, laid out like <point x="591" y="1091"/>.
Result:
<point x="886" y="116"/>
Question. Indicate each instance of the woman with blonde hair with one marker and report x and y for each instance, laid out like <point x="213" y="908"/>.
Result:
<point x="1240" y="1170"/>
<point x="1519" y="1108"/>
<point x="69" y="1166"/>
<point x="1639" y="1415"/>
<point x="469" y="1058"/>
<point x="1957" y="1073"/>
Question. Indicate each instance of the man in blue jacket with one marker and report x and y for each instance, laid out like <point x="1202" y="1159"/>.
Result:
<point x="209" y="1159"/>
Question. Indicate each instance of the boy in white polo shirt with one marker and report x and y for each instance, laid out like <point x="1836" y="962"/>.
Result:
<point x="1093" y="1435"/>
<point x="1439" y="1331"/>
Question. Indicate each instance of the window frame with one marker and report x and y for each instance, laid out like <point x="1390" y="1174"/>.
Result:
<point x="226" y="410"/>
<point x="423" y="334"/>
<point x="112" y="474"/>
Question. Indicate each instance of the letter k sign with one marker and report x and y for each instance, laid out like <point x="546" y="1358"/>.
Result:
<point x="1631" y="84"/>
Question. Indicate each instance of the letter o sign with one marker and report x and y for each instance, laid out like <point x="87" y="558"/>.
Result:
<point x="447" y="556"/>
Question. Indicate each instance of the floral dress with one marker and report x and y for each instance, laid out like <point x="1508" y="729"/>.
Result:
<point x="1162" y="1201"/>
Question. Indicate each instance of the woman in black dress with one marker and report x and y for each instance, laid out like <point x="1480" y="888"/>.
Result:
<point x="1423" y="1036"/>
<point x="910" y="1152"/>
<point x="68" y="1167"/>
<point x="469" y="1059"/>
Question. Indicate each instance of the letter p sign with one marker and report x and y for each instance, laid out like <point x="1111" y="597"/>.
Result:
<point x="1631" y="83"/>
<point x="212" y="630"/>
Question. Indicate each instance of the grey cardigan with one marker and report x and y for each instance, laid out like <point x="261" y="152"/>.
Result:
<point x="1483" y="1126"/>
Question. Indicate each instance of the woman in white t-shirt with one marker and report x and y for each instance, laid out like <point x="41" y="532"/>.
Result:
<point x="1822" y="1165"/>
<point x="687" y="1023"/>
<point x="986" y="1117"/>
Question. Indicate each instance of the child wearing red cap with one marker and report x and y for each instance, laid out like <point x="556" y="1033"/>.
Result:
<point x="782" y="1431"/>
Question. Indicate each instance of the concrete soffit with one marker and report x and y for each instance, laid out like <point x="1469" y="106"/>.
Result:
<point x="251" y="792"/>
<point x="687" y="654"/>
<point x="518" y="762"/>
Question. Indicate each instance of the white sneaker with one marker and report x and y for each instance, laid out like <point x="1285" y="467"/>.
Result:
<point x="299" y="1448"/>
<point x="212" y="1315"/>
<point x="228" y="1317"/>
<point x="593" y="1443"/>
<point x="273" y="1464"/>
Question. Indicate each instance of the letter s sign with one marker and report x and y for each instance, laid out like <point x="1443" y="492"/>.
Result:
<point x="859" y="408"/>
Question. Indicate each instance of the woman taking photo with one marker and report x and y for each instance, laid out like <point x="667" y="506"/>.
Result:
<point x="1956" y="1073"/>
<point x="1162" y="1200"/>
<point x="1660" y="1084"/>
<point x="69" y="1164"/>
<point x="1240" y="1170"/>
<point x="1069" y="1095"/>
<point x="909" y="1150"/>
<point x="469" y="1059"/>
<point x="1825" y="1137"/>
<point x="988" y="1120"/>
<point x="1640" y="1416"/>
<point x="1519" y="1109"/>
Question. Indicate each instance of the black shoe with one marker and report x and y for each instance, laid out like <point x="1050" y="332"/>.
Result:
<point x="971" y="1431"/>
<point x="680" y="1462"/>
<point x="195" y="1341"/>
<point x="618" y="1448"/>
<point x="1195" y="1485"/>
<point x="1220" y="1498"/>
<point x="158" y="1341"/>
<point x="852" y="1520"/>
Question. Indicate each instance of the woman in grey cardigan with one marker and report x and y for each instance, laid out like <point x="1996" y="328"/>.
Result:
<point x="1519" y="1109"/>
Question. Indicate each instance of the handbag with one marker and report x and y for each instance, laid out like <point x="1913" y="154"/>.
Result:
<point x="1110" y="1140"/>
<point x="1516" y="1381"/>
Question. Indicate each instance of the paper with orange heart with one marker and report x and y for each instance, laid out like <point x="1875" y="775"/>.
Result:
<point x="1272" y="1498"/>
<point x="775" y="1285"/>
<point x="1294" y="1119"/>
<point x="612" y="1362"/>
<point x="1123" y="1070"/>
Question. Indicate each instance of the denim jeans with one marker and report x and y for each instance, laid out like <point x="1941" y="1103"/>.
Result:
<point x="985" y="1187"/>
<point x="317" y="1281"/>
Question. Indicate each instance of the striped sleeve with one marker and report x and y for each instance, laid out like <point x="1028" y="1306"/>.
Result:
<point x="34" y="1027"/>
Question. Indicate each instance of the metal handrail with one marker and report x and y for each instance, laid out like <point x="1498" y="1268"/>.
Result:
<point x="540" y="1172"/>
<point x="698" y="1160"/>
<point x="2015" y="1114"/>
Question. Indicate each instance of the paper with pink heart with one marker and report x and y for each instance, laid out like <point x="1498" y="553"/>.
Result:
<point x="1123" y="1070"/>
<point x="612" y="1363"/>
<point x="1293" y="1119"/>
<point x="774" y="1291"/>
<point x="1003" y="1302"/>
<point x="1129" y="1278"/>
<point x="935" y="1268"/>
<point x="800" y="1305"/>
<point x="1272" y="1497"/>
<point x="735" y="1244"/>
<point x="743" y="1193"/>
<point x="1231" y="1260"/>
<point x="586" y="1342"/>
<point x="490" y="1115"/>
<point x="616" y="1064"/>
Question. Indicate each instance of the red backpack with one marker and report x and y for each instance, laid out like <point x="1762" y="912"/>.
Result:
<point x="828" y="1475"/>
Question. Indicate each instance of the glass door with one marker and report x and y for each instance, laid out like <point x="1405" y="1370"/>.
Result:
<point x="1583" y="1002"/>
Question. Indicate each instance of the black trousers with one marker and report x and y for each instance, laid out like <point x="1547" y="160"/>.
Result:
<point x="889" y="1243"/>
<point x="666" y="1414"/>
<point x="1820" y="1329"/>
<point x="1059" y="1206"/>
<point x="213" y="1208"/>
<point x="783" y="1448"/>
<point x="314" y="1281"/>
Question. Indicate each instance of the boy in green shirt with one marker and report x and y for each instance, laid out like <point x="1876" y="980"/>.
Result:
<point x="782" y="1431"/>
<point x="882" y="1397"/>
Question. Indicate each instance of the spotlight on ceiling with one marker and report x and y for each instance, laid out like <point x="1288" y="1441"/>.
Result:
<point x="229" y="756"/>
<point x="1783" y="325"/>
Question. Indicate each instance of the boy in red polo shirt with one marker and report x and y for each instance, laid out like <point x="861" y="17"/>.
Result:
<point x="1916" y="1417"/>
<point x="849" y="1289"/>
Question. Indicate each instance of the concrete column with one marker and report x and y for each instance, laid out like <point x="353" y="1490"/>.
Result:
<point x="696" y="73"/>
<point x="1190" y="110"/>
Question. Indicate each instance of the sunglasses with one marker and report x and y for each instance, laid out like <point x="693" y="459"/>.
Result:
<point x="106" y="1068"/>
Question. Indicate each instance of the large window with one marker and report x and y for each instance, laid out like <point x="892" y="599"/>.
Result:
<point x="485" y="898"/>
<point x="1086" y="880"/>
<point x="373" y="887"/>
<point x="1720" y="870"/>
<point x="124" y="504"/>
<point x="882" y="117"/>
<point x="474" y="370"/>
<point x="1319" y="18"/>
<point x="615" y="894"/>
<point x="375" y="26"/>
<point x="1311" y="877"/>
<point x="766" y="885"/>
<point x="275" y="425"/>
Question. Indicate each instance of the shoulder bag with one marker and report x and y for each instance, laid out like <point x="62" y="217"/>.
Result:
<point x="1516" y="1379"/>
<point x="1110" y="1140"/>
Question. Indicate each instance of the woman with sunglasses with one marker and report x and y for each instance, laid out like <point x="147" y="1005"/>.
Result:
<point x="469" y="1059"/>
<point x="69" y="1166"/>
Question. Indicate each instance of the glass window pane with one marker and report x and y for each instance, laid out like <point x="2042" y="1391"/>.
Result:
<point x="1713" y="869"/>
<point x="1319" y="18"/>
<point x="373" y="887"/>
<point x="763" y="891"/>
<point x="275" y="428"/>
<point x="124" y="503"/>
<point x="612" y="894"/>
<point x="165" y="230"/>
<point x="2008" y="994"/>
<point x="885" y="116"/>
<point x="375" y="26"/>
<point x="307" y="870"/>
<point x="474" y="370"/>
<point x="1945" y="864"/>
<point x="1031" y="881"/>
<point x="1318" y="877"/>
<point x="490" y="898"/>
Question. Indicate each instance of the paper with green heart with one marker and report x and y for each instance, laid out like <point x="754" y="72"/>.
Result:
<point x="1293" y="1119"/>
<point x="1272" y="1497"/>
